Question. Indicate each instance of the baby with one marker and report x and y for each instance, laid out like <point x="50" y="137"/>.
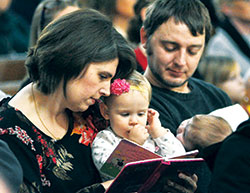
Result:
<point x="127" y="109"/>
<point x="202" y="131"/>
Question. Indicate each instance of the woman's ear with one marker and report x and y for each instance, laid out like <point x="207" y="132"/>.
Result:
<point x="104" y="110"/>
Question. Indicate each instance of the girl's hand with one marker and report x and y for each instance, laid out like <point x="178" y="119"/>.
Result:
<point x="154" y="125"/>
<point x="138" y="134"/>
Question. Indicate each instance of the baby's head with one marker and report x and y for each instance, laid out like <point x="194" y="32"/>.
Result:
<point x="128" y="103"/>
<point x="202" y="131"/>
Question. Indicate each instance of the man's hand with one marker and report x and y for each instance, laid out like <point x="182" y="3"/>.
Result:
<point x="189" y="186"/>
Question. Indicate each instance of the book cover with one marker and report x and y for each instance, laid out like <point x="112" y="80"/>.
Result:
<point x="141" y="176"/>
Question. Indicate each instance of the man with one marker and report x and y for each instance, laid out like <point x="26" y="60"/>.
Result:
<point x="232" y="37"/>
<point x="174" y="35"/>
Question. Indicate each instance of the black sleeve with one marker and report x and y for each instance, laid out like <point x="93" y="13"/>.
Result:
<point x="11" y="173"/>
<point x="232" y="166"/>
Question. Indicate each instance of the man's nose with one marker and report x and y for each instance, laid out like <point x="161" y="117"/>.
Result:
<point x="181" y="57"/>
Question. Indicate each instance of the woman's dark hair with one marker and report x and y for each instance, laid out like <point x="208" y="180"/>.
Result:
<point x="45" y="13"/>
<point x="191" y="12"/>
<point x="69" y="44"/>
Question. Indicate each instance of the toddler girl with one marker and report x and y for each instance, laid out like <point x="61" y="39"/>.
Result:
<point x="127" y="109"/>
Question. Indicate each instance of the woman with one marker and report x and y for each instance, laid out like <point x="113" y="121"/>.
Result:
<point x="71" y="67"/>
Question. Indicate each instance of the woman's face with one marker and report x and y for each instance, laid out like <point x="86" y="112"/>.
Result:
<point x="90" y="85"/>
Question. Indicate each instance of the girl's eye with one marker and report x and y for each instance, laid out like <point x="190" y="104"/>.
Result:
<point x="141" y="114"/>
<point x="124" y="114"/>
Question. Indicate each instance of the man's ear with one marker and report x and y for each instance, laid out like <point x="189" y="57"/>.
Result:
<point x="143" y="37"/>
<point x="104" y="110"/>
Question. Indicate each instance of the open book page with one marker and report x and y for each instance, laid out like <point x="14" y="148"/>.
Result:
<point x="125" y="152"/>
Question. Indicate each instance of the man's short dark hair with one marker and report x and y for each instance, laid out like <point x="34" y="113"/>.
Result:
<point x="193" y="13"/>
<point x="69" y="44"/>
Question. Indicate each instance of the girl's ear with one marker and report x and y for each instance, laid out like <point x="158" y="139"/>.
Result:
<point x="104" y="110"/>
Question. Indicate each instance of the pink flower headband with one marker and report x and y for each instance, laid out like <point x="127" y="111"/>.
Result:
<point x="119" y="86"/>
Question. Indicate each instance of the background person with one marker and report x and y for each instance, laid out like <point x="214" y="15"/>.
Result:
<point x="133" y="31"/>
<point x="14" y="31"/>
<point x="224" y="72"/>
<point x="45" y="12"/>
<point x="119" y="11"/>
<point x="232" y="36"/>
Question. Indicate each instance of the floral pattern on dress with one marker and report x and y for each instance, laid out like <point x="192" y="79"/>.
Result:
<point x="87" y="127"/>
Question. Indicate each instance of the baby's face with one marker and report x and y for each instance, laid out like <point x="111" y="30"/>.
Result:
<point x="127" y="111"/>
<point x="182" y="133"/>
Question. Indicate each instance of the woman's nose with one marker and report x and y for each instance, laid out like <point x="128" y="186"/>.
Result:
<point x="105" y="91"/>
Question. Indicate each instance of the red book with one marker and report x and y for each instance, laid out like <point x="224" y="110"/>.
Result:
<point x="141" y="176"/>
<point x="137" y="169"/>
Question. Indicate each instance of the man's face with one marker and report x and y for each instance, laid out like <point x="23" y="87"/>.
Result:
<point x="173" y="55"/>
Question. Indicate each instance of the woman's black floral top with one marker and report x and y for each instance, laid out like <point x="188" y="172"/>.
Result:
<point x="48" y="165"/>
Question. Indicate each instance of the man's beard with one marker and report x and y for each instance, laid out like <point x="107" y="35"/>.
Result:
<point x="165" y="83"/>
